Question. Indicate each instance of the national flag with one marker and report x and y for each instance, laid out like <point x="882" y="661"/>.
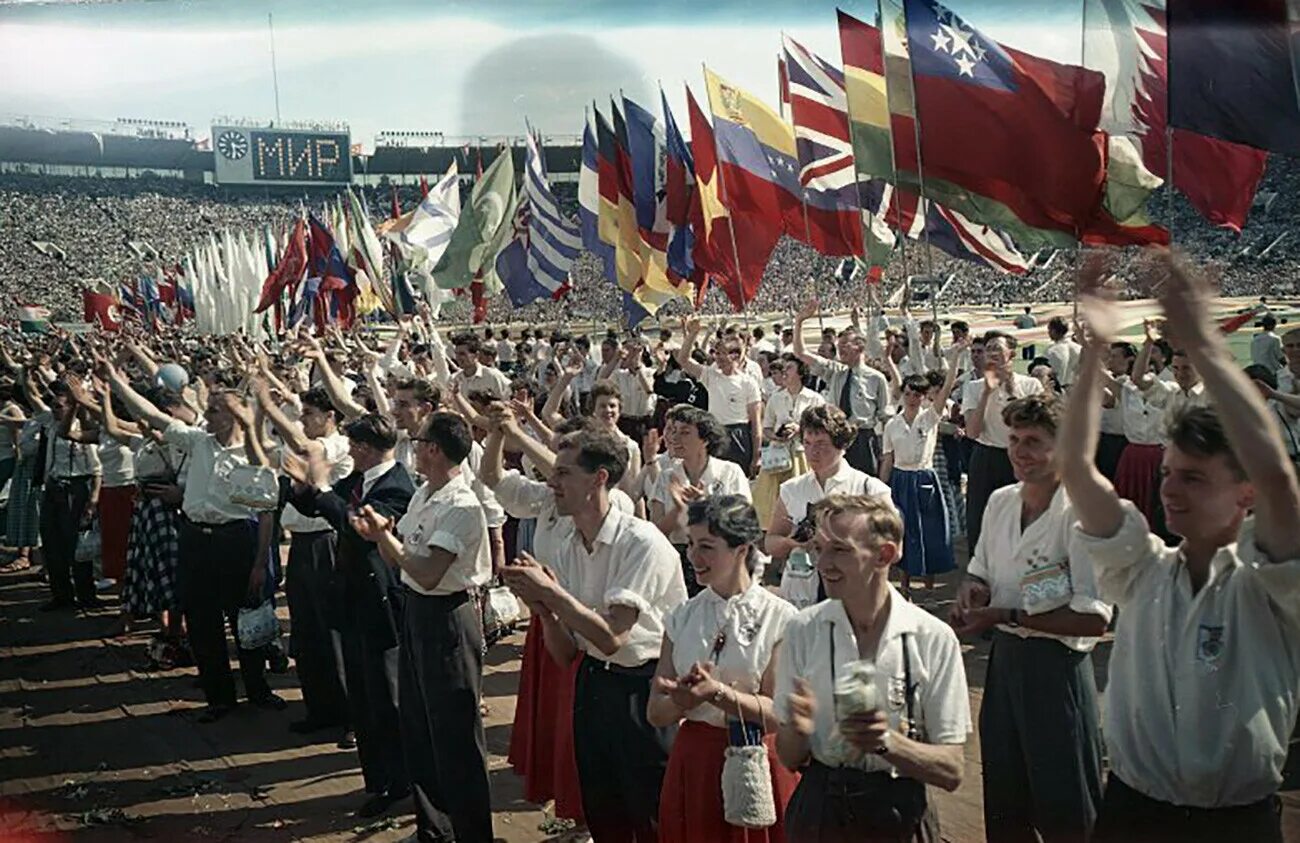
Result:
<point x="536" y="262"/>
<point x="1006" y="138"/>
<point x="428" y="232"/>
<point x="33" y="319"/>
<point x="951" y="232"/>
<point x="488" y="213"/>
<point x="1127" y="40"/>
<point x="680" y="197"/>
<point x="289" y="270"/>
<point x="589" y="204"/>
<point x="633" y="312"/>
<point x="1232" y="72"/>
<point x="733" y="244"/>
<point x="367" y="260"/>
<point x="646" y="157"/>
<point x="307" y="306"/>
<point x="607" y="183"/>
<point x="424" y="183"/>
<point x="101" y="309"/>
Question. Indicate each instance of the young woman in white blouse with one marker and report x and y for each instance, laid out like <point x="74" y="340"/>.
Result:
<point x="783" y="456"/>
<point x="907" y="465"/>
<point x="715" y="676"/>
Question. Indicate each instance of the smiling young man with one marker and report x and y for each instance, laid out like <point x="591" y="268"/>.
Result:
<point x="864" y="774"/>
<point x="626" y="579"/>
<point x="735" y="397"/>
<point x="1202" y="696"/>
<point x="1039" y="734"/>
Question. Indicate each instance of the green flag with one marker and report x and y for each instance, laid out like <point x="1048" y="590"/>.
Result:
<point x="484" y="224"/>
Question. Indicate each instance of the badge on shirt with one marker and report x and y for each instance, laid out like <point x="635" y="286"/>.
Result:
<point x="897" y="693"/>
<point x="1209" y="643"/>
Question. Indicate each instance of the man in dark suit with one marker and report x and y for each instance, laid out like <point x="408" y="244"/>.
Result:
<point x="367" y="596"/>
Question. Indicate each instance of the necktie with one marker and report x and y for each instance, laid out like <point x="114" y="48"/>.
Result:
<point x="357" y="493"/>
<point x="846" y="394"/>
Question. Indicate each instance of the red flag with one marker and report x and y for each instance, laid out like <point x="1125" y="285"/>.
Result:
<point x="396" y="209"/>
<point x="725" y="236"/>
<point x="479" y="300"/>
<point x="101" y="309"/>
<point x="289" y="271"/>
<point x="424" y="187"/>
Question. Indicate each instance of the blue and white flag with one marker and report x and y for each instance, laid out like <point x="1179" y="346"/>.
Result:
<point x="589" y="205"/>
<point x="536" y="262"/>
<point x="426" y="236"/>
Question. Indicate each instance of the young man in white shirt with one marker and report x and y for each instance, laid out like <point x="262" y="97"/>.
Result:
<point x="1063" y="352"/>
<point x="853" y="386"/>
<point x="1202" y="696"/>
<point x="474" y="376"/>
<point x="69" y="500"/>
<point x="1039" y="734"/>
<point x="1266" y="346"/>
<point x="628" y="579"/>
<point x="441" y="547"/>
<point x="864" y="773"/>
<point x="735" y="397"/>
<point x="982" y="402"/>
<point x="636" y="391"/>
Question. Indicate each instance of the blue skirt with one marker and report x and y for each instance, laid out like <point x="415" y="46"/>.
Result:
<point x="927" y="543"/>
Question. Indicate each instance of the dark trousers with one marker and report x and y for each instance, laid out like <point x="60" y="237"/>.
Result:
<point x="990" y="470"/>
<point x="844" y="805"/>
<point x="739" y="447"/>
<point x="864" y="453"/>
<point x="442" y="725"/>
<point x="621" y="757"/>
<point x="635" y="426"/>
<point x="1128" y="816"/>
<point x="215" y="563"/>
<point x="1110" y="447"/>
<point x="63" y="505"/>
<point x="1040" y="742"/>
<point x="307" y="586"/>
<point x="371" y="674"/>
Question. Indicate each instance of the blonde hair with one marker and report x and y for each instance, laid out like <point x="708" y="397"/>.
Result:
<point x="883" y="521"/>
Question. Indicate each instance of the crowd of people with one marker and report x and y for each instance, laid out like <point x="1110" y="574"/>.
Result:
<point x="725" y="541"/>
<point x="92" y="221"/>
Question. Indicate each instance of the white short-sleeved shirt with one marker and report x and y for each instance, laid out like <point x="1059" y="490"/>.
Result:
<point x="799" y="493"/>
<point x="995" y="433"/>
<point x="505" y="351"/>
<point x="469" y="469"/>
<point x="1005" y="556"/>
<point x="1063" y="357"/>
<point x="1143" y="420"/>
<point x="718" y="478"/>
<point x="636" y="401"/>
<point x="749" y="625"/>
<point x="730" y="395"/>
<point x="523" y="497"/>
<point x="486" y="379"/>
<point x="630" y="564"/>
<point x="1204" y="687"/>
<point x="912" y="444"/>
<point x="664" y="461"/>
<point x="450" y="518"/>
<point x="940" y="699"/>
<point x="338" y="457"/>
<point x="65" y="458"/>
<point x="208" y="465"/>
<point x="783" y="408"/>
<point x="1175" y="399"/>
<point x="117" y="460"/>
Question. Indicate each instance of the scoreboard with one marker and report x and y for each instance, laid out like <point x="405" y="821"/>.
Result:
<point x="281" y="156"/>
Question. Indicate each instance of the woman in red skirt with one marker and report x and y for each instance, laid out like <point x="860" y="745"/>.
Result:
<point x="715" y="676"/>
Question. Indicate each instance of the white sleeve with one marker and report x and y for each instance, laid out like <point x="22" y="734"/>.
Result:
<point x="181" y="436"/>
<point x="458" y="530"/>
<point x="521" y="497"/>
<point x="789" y="666"/>
<point x="642" y="577"/>
<point x="944" y="699"/>
<point x="1120" y="561"/>
<point x="970" y="395"/>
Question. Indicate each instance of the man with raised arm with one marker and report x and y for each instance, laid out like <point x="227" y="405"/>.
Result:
<point x="1205" y="674"/>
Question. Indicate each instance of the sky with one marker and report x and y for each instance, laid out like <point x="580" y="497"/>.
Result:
<point x="461" y="67"/>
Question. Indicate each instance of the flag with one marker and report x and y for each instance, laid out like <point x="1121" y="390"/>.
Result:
<point x="633" y="312"/>
<point x="1232" y="73"/>
<point x="491" y="204"/>
<point x="949" y="231"/>
<point x="733" y="244"/>
<point x="429" y="231"/>
<point x="101" y="309"/>
<point x="366" y="259"/>
<point x="607" y="184"/>
<point x="589" y="204"/>
<point x="424" y="182"/>
<point x="1006" y="138"/>
<point x="646" y="158"/>
<point x="680" y="197"/>
<point x="1127" y="40"/>
<point x="535" y="263"/>
<point x="289" y="270"/>
<point x="33" y="319"/>
<point x="627" y="245"/>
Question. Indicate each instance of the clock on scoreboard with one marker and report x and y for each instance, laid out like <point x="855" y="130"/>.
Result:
<point x="281" y="156"/>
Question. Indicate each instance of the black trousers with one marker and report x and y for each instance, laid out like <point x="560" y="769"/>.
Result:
<point x="1128" y="816"/>
<point x="371" y="679"/>
<point x="844" y="805"/>
<point x="1110" y="447"/>
<point x="442" y="725"/>
<point x="1040" y="741"/>
<point x="621" y="757"/>
<point x="215" y="564"/>
<point x="63" y="504"/>
<point x="307" y="587"/>
<point x="739" y="446"/>
<point x="990" y="470"/>
<point x="864" y="453"/>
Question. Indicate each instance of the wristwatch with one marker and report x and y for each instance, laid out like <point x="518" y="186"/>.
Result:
<point x="884" y="747"/>
<point x="1013" y="617"/>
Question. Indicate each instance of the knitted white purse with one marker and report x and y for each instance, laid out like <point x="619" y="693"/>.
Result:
<point x="747" y="799"/>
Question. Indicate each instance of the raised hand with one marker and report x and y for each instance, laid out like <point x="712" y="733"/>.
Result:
<point x="809" y="309"/>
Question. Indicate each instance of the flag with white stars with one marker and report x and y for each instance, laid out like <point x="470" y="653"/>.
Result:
<point x="942" y="44"/>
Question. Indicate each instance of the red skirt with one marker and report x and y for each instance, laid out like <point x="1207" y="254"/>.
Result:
<point x="115" y="504"/>
<point x="1137" y="478"/>
<point x="690" y="804"/>
<point x="541" y="739"/>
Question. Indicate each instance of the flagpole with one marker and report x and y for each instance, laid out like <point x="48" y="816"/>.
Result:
<point x="275" y="76"/>
<point x="722" y="190"/>
<point x="916" y="135"/>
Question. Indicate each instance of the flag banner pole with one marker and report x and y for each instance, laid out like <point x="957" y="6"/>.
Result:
<point x="722" y="193"/>
<point x="1169" y="182"/>
<point x="916" y="133"/>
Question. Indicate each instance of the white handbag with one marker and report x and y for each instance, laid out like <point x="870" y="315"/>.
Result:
<point x="502" y="608"/>
<point x="747" y="798"/>
<point x="776" y="458"/>
<point x="257" y="627"/>
<point x="254" y="486"/>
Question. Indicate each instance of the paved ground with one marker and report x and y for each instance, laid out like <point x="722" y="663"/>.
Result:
<point x="94" y="746"/>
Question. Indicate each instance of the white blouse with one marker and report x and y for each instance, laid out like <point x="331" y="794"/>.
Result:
<point x="783" y="408"/>
<point x="718" y="478"/>
<point x="749" y="626"/>
<point x="912" y="444"/>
